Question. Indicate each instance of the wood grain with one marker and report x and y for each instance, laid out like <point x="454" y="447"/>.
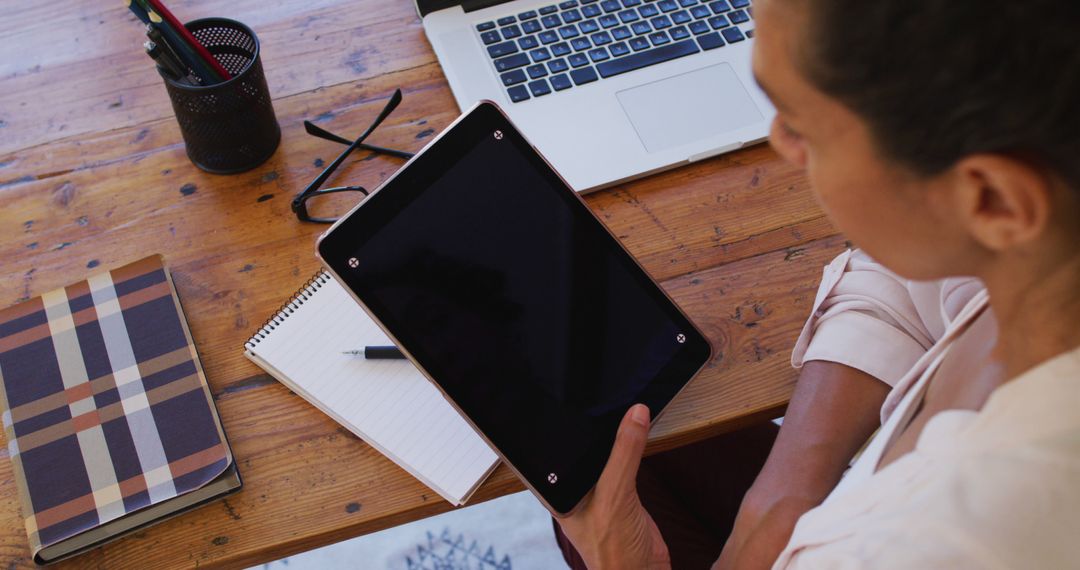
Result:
<point x="93" y="174"/>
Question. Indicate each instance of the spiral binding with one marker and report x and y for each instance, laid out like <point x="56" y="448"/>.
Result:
<point x="302" y="294"/>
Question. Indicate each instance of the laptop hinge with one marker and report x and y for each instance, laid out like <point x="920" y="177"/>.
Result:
<point x="473" y="5"/>
<point x="425" y="7"/>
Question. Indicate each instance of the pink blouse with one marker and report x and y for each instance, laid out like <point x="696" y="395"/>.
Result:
<point x="994" y="488"/>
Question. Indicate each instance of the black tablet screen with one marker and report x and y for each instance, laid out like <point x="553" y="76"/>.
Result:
<point x="517" y="301"/>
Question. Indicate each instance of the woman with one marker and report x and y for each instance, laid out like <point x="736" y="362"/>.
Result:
<point x="942" y="138"/>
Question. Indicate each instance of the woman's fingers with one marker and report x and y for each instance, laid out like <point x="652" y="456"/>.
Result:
<point x="620" y="474"/>
<point x="612" y="529"/>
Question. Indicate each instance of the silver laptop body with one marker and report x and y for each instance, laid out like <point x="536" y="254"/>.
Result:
<point x="652" y="106"/>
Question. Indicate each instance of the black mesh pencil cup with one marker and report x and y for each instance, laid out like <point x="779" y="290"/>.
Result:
<point x="230" y="126"/>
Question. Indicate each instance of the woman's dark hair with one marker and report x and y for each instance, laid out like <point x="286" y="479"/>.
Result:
<point x="937" y="80"/>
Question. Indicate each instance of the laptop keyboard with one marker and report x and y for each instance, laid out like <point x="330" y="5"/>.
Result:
<point x="573" y="43"/>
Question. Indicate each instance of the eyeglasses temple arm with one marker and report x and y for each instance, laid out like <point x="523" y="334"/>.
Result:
<point x="317" y="131"/>
<point x="394" y="101"/>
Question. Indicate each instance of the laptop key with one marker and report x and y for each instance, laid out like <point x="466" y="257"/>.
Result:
<point x="642" y="59"/>
<point x="711" y="41"/>
<point x="518" y="94"/>
<point x="499" y="50"/>
<point x="591" y="11"/>
<point x="548" y="37"/>
<point x="681" y="17"/>
<point x="718" y="22"/>
<point x="485" y="26"/>
<point x="607" y="21"/>
<point x="528" y="42"/>
<point x="560" y="82"/>
<point x="539" y="55"/>
<point x="567" y="32"/>
<point x="639" y="43"/>
<point x="621" y="33"/>
<point x="648" y="11"/>
<point x="699" y="27"/>
<point x="506" y="21"/>
<point x="610" y="6"/>
<point x="679" y="33"/>
<point x="740" y="3"/>
<point x="659" y="38"/>
<point x="667" y="6"/>
<point x="720" y="6"/>
<point x="571" y="16"/>
<point x="539" y="88"/>
<point x="551" y="21"/>
<point x="641" y="28"/>
<point x="584" y="75"/>
<point x="588" y="26"/>
<point x="733" y="35"/>
<point x="490" y="37"/>
<point x="568" y="4"/>
<point x="531" y="26"/>
<point x="511" y="32"/>
<point x="535" y="71"/>
<point x="578" y="60"/>
<point x="557" y="66"/>
<point x="700" y="12"/>
<point x="618" y="49"/>
<point x="548" y="10"/>
<point x="687" y="3"/>
<point x="749" y="33"/>
<point x="513" y="77"/>
<point x="527" y="15"/>
<point x="661" y="22"/>
<point x="602" y="38"/>
<point x="598" y="54"/>
<point x="511" y="62"/>
<point x="560" y="49"/>
<point x="739" y="17"/>
<point x="627" y="16"/>
<point x="631" y="3"/>
<point x="580" y="44"/>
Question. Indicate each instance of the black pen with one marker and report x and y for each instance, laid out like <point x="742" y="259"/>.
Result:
<point x="165" y="61"/>
<point x="377" y="353"/>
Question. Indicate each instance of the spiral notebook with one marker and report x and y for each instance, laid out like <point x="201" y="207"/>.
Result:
<point x="387" y="403"/>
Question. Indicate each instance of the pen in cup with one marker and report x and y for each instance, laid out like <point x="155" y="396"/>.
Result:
<point x="377" y="353"/>
<point x="163" y="59"/>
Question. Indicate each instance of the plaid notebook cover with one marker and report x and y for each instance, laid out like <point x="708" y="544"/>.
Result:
<point x="106" y="409"/>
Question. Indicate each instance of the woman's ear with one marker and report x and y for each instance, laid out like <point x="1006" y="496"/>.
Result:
<point x="1003" y="202"/>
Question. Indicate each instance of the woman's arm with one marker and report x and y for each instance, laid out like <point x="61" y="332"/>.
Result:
<point x="864" y="333"/>
<point x="833" y="411"/>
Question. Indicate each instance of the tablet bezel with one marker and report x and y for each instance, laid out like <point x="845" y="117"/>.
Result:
<point x="482" y="120"/>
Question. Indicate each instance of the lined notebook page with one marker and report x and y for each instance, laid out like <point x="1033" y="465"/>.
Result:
<point x="387" y="403"/>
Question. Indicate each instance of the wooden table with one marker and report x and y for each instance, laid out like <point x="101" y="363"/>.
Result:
<point x="93" y="174"/>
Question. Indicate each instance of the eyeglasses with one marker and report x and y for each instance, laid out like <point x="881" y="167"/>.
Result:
<point x="303" y="200"/>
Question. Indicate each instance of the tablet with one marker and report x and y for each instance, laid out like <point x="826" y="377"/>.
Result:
<point x="502" y="286"/>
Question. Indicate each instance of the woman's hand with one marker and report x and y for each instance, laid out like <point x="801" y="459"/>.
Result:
<point x="611" y="529"/>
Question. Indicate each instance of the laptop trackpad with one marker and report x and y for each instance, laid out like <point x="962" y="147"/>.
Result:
<point x="688" y="107"/>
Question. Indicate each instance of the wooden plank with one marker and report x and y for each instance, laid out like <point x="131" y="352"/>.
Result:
<point x="239" y="252"/>
<point x="308" y="482"/>
<point x="82" y="69"/>
<point x="723" y="208"/>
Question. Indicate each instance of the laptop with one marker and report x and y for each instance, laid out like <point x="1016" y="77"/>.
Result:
<point x="607" y="90"/>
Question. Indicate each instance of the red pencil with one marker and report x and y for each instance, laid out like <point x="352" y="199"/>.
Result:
<point x="183" y="31"/>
